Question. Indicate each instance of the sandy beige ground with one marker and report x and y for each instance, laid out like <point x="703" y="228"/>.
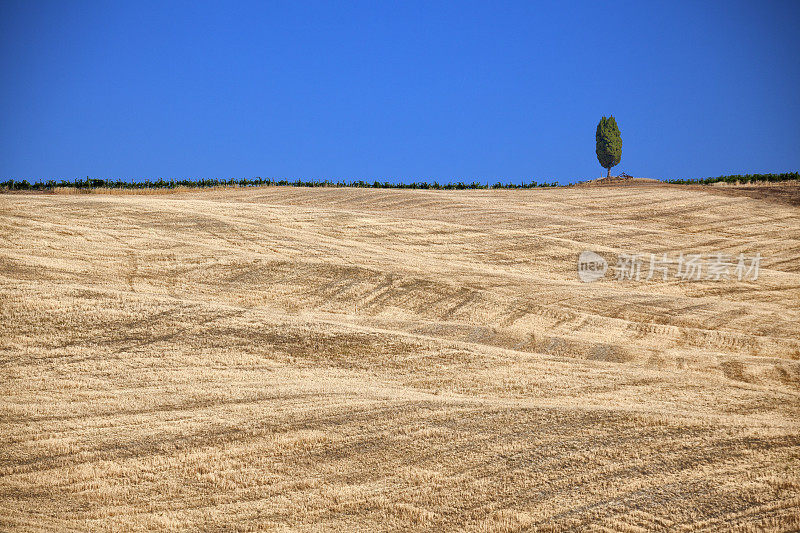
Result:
<point x="388" y="360"/>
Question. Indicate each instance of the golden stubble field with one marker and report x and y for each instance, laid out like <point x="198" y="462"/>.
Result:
<point x="315" y="359"/>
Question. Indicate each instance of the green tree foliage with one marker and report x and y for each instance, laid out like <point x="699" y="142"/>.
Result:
<point x="740" y="179"/>
<point x="93" y="183"/>
<point x="609" y="143"/>
<point x="108" y="183"/>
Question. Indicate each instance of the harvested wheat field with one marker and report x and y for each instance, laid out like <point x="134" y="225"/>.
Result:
<point x="356" y="359"/>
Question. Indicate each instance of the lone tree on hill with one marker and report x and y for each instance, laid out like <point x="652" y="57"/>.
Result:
<point x="609" y="143"/>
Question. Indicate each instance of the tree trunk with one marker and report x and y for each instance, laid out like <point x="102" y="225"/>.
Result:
<point x="609" y="172"/>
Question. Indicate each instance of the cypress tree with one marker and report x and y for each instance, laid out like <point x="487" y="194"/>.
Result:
<point x="609" y="143"/>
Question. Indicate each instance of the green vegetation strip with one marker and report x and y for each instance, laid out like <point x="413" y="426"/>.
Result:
<point x="94" y="183"/>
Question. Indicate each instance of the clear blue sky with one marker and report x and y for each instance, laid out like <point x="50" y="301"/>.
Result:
<point x="398" y="91"/>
